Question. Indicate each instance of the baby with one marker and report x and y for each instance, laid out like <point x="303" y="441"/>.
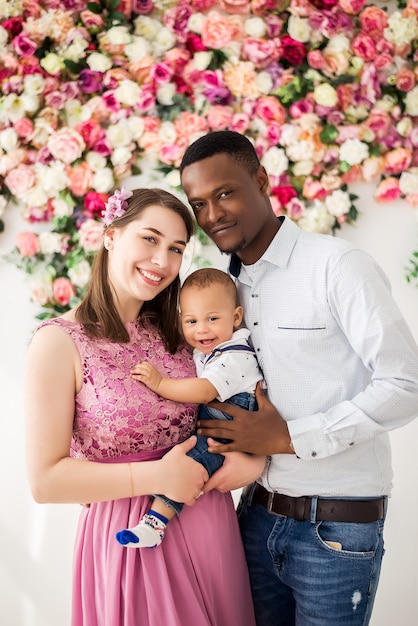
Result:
<point x="226" y="368"/>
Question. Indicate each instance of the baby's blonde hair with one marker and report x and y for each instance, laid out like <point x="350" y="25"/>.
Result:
<point x="208" y="276"/>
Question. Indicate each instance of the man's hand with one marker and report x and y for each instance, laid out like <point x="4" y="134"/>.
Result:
<point x="262" y="432"/>
<point x="239" y="469"/>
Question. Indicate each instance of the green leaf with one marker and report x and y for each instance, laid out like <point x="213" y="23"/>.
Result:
<point x="328" y="134"/>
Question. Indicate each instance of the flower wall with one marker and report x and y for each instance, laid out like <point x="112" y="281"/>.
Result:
<point x="91" y="91"/>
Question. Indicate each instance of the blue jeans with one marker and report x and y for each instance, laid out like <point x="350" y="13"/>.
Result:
<point x="199" y="453"/>
<point x="299" y="580"/>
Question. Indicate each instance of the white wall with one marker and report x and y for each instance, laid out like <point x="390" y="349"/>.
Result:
<point x="36" y="540"/>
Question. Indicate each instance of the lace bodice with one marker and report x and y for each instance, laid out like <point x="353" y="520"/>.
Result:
<point x="116" y="415"/>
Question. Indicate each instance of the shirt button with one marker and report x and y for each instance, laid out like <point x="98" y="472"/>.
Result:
<point x="313" y="453"/>
<point x="255" y="323"/>
<point x="351" y="443"/>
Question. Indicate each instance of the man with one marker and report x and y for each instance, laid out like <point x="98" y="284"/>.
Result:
<point x="341" y="368"/>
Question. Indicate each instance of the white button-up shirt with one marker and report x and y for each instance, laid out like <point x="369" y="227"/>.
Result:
<point x="340" y="363"/>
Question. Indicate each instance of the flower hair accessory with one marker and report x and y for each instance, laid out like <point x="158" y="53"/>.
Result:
<point x="116" y="205"/>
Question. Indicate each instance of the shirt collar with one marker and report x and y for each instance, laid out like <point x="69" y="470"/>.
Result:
<point x="279" y="251"/>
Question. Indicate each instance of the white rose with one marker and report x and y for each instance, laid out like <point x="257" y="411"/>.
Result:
<point x="325" y="95"/>
<point x="167" y="132"/>
<point x="202" y="59"/>
<point x="299" y="29"/>
<point x="146" y="27"/>
<point x="264" y="82"/>
<point x="173" y="178"/>
<point x="53" y="177"/>
<point x="353" y="151"/>
<point x="128" y="92"/>
<point x="73" y="112"/>
<point x="118" y="35"/>
<point x="411" y="102"/>
<point x="195" y="22"/>
<point x="255" y="27"/>
<point x="31" y="103"/>
<point x="4" y="35"/>
<point x="303" y="168"/>
<point x="3" y="205"/>
<point x="289" y="134"/>
<point x="165" y="94"/>
<point x="50" y="243"/>
<point x="33" y="84"/>
<point x="301" y="151"/>
<point x="338" y="203"/>
<point x="404" y="126"/>
<point x="62" y="208"/>
<point x="80" y="274"/>
<point x="233" y="52"/>
<point x="95" y="161"/>
<point x="164" y="40"/>
<point x="98" y="62"/>
<point x="137" y="49"/>
<point x="12" y="108"/>
<point x="317" y="219"/>
<point x="136" y="126"/>
<point x="309" y="122"/>
<point x="338" y="43"/>
<point x="36" y="196"/>
<point x="119" y="134"/>
<point x="408" y="182"/>
<point x="103" y="180"/>
<point x="52" y="63"/>
<point x="401" y="30"/>
<point x="8" y="139"/>
<point x="76" y="50"/>
<point x="275" y="161"/>
<point x="120" y="156"/>
<point x="41" y="290"/>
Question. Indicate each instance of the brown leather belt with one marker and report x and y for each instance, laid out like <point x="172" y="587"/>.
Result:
<point x="360" y="511"/>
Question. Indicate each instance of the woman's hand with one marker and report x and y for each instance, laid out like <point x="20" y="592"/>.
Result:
<point x="239" y="469"/>
<point x="183" y="478"/>
<point x="257" y="432"/>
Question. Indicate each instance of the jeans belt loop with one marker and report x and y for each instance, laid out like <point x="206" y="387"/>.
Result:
<point x="314" y="506"/>
<point x="270" y="500"/>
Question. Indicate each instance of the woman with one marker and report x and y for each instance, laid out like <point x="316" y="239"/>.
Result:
<point x="96" y="436"/>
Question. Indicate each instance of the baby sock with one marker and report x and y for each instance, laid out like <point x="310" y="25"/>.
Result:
<point x="149" y="533"/>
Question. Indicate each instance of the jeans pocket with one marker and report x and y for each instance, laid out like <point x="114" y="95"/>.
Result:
<point x="347" y="538"/>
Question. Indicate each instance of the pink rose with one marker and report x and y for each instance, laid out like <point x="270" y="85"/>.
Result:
<point x="20" y="179"/>
<point x="220" y="117"/>
<point x="90" y="235"/>
<point x="352" y="7"/>
<point x="24" y="46"/>
<point x="388" y="190"/>
<point x="363" y="46"/>
<point x="27" y="244"/>
<point x="260" y="52"/>
<point x="63" y="290"/>
<point x="268" y="108"/>
<point x="66" y="145"/>
<point x="379" y="122"/>
<point x="91" y="132"/>
<point x="172" y="154"/>
<point x="24" y="127"/>
<point x="405" y="79"/>
<point x="294" y="52"/>
<point x="382" y="61"/>
<point x="240" y="123"/>
<point x="92" y="21"/>
<point x="80" y="177"/>
<point x="397" y="160"/>
<point x="94" y="203"/>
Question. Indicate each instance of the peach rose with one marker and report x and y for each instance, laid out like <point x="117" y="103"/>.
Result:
<point x="397" y="161"/>
<point x="66" y="145"/>
<point x="27" y="244"/>
<point x="405" y="80"/>
<point x="220" y="117"/>
<point x="373" y="21"/>
<point x="235" y="7"/>
<point x="218" y="30"/>
<point x="63" y="290"/>
<point x="188" y="124"/>
<point x="388" y="190"/>
<point x="24" y="127"/>
<point x="80" y="177"/>
<point x="269" y="109"/>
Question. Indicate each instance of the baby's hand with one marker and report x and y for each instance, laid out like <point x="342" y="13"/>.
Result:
<point x="147" y="374"/>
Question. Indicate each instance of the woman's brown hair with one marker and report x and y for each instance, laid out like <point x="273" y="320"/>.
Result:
<point x="98" y="313"/>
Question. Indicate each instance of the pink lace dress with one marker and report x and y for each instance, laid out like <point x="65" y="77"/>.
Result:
<point x="198" y="574"/>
